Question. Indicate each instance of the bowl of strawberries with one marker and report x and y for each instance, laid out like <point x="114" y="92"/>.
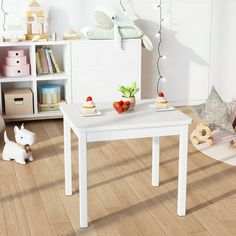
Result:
<point x="121" y="106"/>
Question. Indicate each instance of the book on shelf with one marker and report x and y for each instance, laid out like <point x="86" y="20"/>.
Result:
<point x="43" y="60"/>
<point x="38" y="64"/>
<point x="54" y="61"/>
<point x="46" y="62"/>
<point x="49" y="61"/>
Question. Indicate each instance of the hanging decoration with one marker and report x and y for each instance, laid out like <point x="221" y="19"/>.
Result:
<point x="4" y="16"/>
<point x="159" y="55"/>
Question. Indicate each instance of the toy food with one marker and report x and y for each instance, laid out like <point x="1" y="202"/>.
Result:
<point x="202" y="133"/>
<point x="89" y="106"/>
<point x="161" y="101"/>
<point x="121" y="106"/>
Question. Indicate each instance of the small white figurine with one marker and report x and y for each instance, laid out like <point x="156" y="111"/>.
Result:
<point x="19" y="151"/>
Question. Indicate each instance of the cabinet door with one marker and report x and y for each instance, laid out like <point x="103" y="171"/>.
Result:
<point x="99" y="67"/>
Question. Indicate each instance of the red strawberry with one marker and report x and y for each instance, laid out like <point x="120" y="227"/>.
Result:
<point x="121" y="103"/>
<point x="126" y="105"/>
<point x="89" y="99"/>
<point x="119" y="109"/>
<point x="116" y="104"/>
<point x="161" y="94"/>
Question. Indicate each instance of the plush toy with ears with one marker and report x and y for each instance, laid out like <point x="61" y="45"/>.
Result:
<point x="20" y="150"/>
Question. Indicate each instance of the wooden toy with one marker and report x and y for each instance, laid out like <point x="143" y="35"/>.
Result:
<point x="20" y="150"/>
<point x="35" y="19"/>
<point x="202" y="133"/>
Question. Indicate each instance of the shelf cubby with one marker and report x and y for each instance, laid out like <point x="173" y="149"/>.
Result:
<point x="61" y="50"/>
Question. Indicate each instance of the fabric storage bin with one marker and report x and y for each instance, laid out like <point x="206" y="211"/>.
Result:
<point x="15" y="53"/>
<point x="16" y="71"/>
<point x="49" y="93"/>
<point x="16" y="61"/>
<point x="18" y="101"/>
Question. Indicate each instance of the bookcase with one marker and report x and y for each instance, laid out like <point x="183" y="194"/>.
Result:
<point x="62" y="52"/>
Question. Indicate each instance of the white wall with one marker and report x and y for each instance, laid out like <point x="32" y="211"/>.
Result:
<point x="199" y="45"/>
<point x="223" y="57"/>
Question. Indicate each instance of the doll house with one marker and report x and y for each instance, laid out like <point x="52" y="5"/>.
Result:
<point x="35" y="18"/>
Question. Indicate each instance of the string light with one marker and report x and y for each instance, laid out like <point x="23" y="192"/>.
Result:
<point x="160" y="56"/>
<point x="4" y="17"/>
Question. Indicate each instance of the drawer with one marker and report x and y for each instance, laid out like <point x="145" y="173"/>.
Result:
<point x="16" y="71"/>
<point x="16" y="61"/>
<point x="15" y="53"/>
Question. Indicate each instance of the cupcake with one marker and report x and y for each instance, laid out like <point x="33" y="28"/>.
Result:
<point x="89" y="106"/>
<point x="161" y="102"/>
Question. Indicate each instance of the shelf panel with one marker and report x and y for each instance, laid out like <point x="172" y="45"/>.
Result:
<point x="61" y="76"/>
<point x="18" y="79"/>
<point x="40" y="115"/>
<point x="30" y="43"/>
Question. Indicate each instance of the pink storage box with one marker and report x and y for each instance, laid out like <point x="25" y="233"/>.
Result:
<point x="15" y="53"/>
<point x="16" y="71"/>
<point x="16" y="61"/>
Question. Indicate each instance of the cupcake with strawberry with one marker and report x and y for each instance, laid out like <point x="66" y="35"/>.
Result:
<point x="161" y="102"/>
<point x="88" y="107"/>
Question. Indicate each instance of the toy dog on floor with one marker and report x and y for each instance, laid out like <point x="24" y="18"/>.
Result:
<point x="19" y="151"/>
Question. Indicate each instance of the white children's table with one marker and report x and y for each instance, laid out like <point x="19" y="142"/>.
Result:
<point x="142" y="122"/>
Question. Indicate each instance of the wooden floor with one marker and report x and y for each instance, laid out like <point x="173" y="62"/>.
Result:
<point x="121" y="198"/>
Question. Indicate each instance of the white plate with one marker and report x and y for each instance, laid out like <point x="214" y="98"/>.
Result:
<point x="170" y="108"/>
<point x="97" y="113"/>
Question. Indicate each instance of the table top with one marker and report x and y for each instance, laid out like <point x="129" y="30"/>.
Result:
<point x="141" y="117"/>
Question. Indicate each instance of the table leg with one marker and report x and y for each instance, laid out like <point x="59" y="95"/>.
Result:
<point x="67" y="158"/>
<point x="155" y="161"/>
<point x="182" y="179"/>
<point x="83" y="180"/>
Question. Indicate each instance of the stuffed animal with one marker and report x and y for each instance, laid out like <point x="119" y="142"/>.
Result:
<point x="111" y="23"/>
<point x="202" y="133"/>
<point x="20" y="150"/>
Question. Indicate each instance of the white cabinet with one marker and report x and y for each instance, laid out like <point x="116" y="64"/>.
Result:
<point x="99" y="67"/>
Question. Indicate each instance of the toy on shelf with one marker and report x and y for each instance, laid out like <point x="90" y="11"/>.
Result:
<point x="161" y="102"/>
<point x="112" y="23"/>
<point x="70" y="35"/>
<point x="16" y="64"/>
<point x="20" y="150"/>
<point x="202" y="133"/>
<point x="35" y="19"/>
<point x="14" y="33"/>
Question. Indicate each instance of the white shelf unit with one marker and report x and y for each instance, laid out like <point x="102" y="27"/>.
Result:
<point x="62" y="51"/>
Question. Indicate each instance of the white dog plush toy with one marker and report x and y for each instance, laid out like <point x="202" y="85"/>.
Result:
<point x="19" y="151"/>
